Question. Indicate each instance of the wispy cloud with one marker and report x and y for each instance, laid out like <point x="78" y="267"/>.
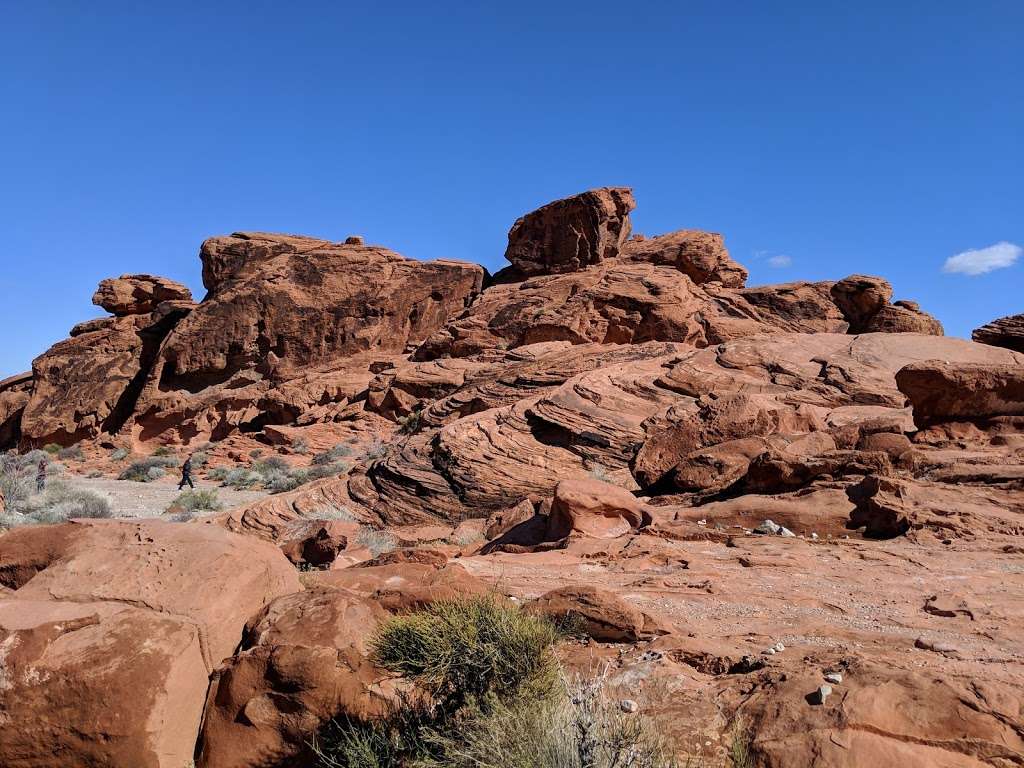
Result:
<point x="780" y="261"/>
<point x="982" y="260"/>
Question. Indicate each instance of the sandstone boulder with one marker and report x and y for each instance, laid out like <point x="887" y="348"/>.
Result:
<point x="904" y="317"/>
<point x="138" y="294"/>
<point x="573" y="233"/>
<point x="305" y="660"/>
<point x="860" y="298"/>
<point x="601" y="614"/>
<point x="594" y="508"/>
<point x="200" y="573"/>
<point x="95" y="683"/>
<point x="701" y="256"/>
<point x="943" y="391"/>
<point x="1005" y="332"/>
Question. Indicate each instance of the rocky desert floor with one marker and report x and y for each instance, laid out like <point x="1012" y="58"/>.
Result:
<point x="134" y="499"/>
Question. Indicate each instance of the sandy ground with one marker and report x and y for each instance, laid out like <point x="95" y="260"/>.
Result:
<point x="131" y="499"/>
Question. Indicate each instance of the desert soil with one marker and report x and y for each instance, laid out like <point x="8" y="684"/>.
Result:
<point x="132" y="499"/>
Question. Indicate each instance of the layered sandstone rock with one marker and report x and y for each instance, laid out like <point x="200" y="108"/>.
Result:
<point x="573" y="233"/>
<point x="701" y="256"/>
<point x="1005" y="332"/>
<point x="942" y="390"/>
<point x="138" y="294"/>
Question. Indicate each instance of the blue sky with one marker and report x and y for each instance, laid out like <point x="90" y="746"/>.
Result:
<point x="821" y="138"/>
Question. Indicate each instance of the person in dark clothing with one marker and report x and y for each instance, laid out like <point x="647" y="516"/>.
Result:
<point x="186" y="474"/>
<point x="41" y="475"/>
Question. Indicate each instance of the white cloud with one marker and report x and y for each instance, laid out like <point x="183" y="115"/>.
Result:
<point x="982" y="260"/>
<point x="780" y="261"/>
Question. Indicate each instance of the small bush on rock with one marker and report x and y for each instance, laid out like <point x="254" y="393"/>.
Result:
<point x="340" y="451"/>
<point x="164" y="450"/>
<point x="52" y="448"/>
<point x="492" y="697"/>
<point x="119" y="454"/>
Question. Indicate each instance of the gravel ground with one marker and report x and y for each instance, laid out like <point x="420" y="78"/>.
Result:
<point x="131" y="499"/>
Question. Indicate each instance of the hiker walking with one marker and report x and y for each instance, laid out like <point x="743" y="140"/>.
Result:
<point x="41" y="476"/>
<point x="186" y="474"/>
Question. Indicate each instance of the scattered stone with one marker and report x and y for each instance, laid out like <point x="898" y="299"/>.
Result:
<point x="769" y="527"/>
<point x="628" y="706"/>
<point x="779" y="647"/>
<point x="937" y="646"/>
<point x="834" y="677"/>
<point x="819" y="696"/>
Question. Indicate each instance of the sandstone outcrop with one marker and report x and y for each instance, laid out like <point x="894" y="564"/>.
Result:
<point x="132" y="617"/>
<point x="941" y="391"/>
<point x="138" y="294"/>
<point x="599" y="434"/>
<point x="304" y="660"/>
<point x="569" y="234"/>
<point x="1005" y="332"/>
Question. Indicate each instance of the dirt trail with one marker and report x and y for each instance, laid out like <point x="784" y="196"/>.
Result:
<point x="132" y="499"/>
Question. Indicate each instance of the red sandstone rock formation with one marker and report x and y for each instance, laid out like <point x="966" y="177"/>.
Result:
<point x="1005" y="332"/>
<point x="597" y="434"/>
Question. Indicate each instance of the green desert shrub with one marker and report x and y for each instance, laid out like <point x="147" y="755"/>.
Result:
<point x="52" y="448"/>
<point x="375" y="450"/>
<point x="119" y="454"/>
<point x="164" y="450"/>
<point x="410" y="424"/>
<point x="60" y="502"/>
<point x="331" y="455"/>
<point x="217" y="473"/>
<point x="241" y="478"/>
<point x="578" y="727"/>
<point x="139" y="471"/>
<point x="71" y="453"/>
<point x="460" y="650"/>
<point x="376" y="540"/>
<point x="470" y="660"/>
<point x="300" y="446"/>
<point x="196" y="501"/>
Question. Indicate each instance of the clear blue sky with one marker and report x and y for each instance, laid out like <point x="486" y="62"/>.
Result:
<point x="849" y="137"/>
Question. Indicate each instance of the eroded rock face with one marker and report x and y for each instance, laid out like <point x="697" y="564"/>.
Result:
<point x="1005" y="332"/>
<point x="138" y="680"/>
<point x="89" y="384"/>
<point x="573" y="233"/>
<point x="594" y="508"/>
<point x="131" y="617"/>
<point x="138" y="294"/>
<point x="942" y="391"/>
<point x="860" y="298"/>
<point x="701" y="256"/>
<point x="305" y="660"/>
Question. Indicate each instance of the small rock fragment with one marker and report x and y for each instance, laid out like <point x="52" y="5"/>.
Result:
<point x="779" y="647"/>
<point x="823" y="692"/>
<point x="834" y="677"/>
<point x="769" y="527"/>
<point x="629" y="706"/>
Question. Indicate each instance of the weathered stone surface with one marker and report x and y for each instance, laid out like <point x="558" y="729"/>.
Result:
<point x="138" y="294"/>
<point x="602" y="615"/>
<point x="14" y="396"/>
<point x="942" y="391"/>
<point x="594" y="508"/>
<point x="201" y="573"/>
<point x="304" y="660"/>
<point x="569" y="234"/>
<point x="860" y="298"/>
<point x="97" y="683"/>
<point x="887" y="507"/>
<point x="904" y="317"/>
<point x="916" y="719"/>
<point x="701" y="256"/>
<point x="1005" y="332"/>
<point x="89" y="384"/>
